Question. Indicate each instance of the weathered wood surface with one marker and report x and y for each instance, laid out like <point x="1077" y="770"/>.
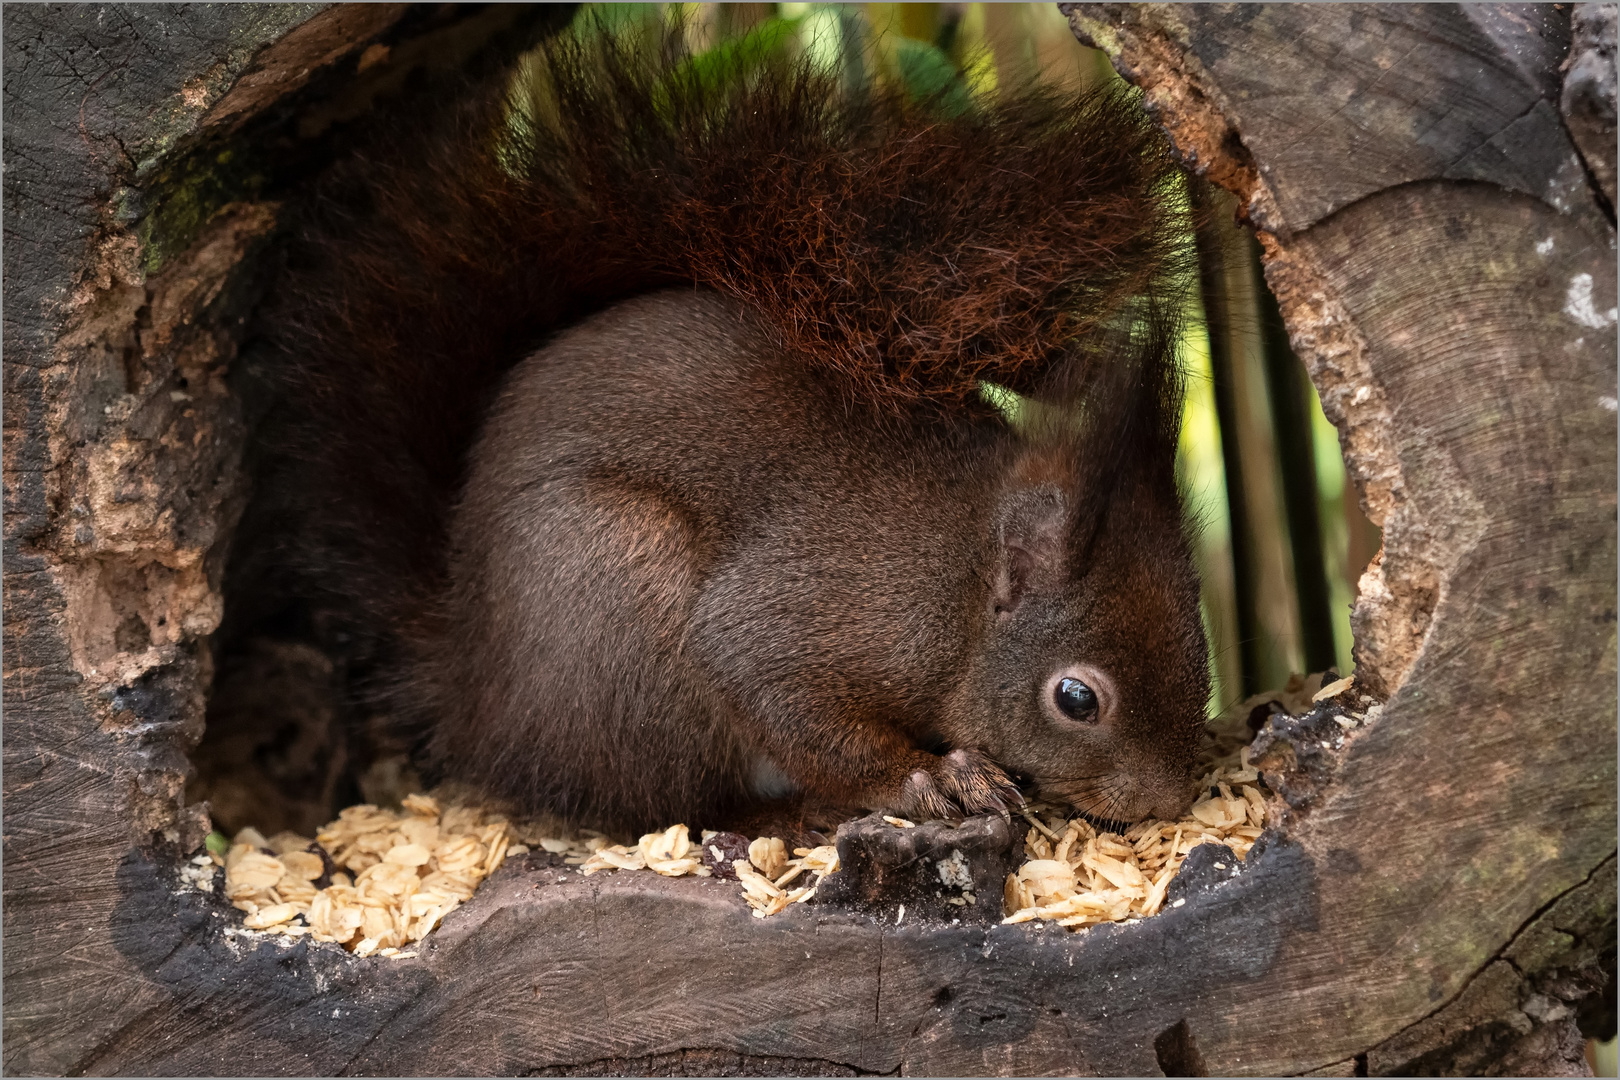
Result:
<point x="1362" y="97"/>
<point x="1588" y="97"/>
<point x="97" y="721"/>
<point x="125" y="293"/>
<point x="1443" y="879"/>
<point x="546" y="969"/>
<point x="1448" y="277"/>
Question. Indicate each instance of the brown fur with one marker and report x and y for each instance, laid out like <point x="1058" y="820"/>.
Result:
<point x="682" y="559"/>
<point x="756" y="521"/>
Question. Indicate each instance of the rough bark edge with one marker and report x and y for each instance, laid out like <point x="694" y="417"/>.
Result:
<point x="124" y="439"/>
<point x="1151" y="52"/>
<point x="1588" y="98"/>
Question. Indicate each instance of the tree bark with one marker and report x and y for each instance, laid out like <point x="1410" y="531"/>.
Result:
<point x="1436" y="892"/>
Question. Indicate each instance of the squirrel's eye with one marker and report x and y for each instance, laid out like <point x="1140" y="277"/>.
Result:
<point x="1075" y="699"/>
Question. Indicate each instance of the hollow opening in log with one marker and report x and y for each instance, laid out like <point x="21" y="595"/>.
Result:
<point x="1284" y="541"/>
<point x="287" y="747"/>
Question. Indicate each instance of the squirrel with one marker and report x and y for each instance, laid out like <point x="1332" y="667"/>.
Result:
<point x="654" y="426"/>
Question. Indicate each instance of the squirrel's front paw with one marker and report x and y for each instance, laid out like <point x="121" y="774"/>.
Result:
<point x="922" y="799"/>
<point x="977" y="784"/>
<point x="964" y="782"/>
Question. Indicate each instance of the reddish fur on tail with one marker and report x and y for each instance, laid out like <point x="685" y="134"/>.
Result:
<point x="907" y="253"/>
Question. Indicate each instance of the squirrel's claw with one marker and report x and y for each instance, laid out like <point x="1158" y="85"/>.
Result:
<point x="921" y="798"/>
<point x="978" y="784"/>
<point x="965" y="782"/>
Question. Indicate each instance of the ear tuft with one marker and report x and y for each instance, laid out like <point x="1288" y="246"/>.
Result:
<point x="1031" y="532"/>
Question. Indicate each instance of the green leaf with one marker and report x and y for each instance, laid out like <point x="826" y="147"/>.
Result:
<point x="931" y="77"/>
<point x="615" y="17"/>
<point x="740" y="56"/>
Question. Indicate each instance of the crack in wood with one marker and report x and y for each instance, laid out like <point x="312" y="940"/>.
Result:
<point x="1525" y="979"/>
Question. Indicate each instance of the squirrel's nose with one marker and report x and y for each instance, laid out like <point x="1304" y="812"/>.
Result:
<point x="1173" y="802"/>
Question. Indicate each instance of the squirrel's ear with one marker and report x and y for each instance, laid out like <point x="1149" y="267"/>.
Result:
<point x="1030" y="541"/>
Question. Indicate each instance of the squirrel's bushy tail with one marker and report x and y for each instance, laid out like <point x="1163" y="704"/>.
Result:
<point x="910" y="254"/>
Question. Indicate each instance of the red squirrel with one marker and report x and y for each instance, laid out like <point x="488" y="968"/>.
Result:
<point x="643" y="425"/>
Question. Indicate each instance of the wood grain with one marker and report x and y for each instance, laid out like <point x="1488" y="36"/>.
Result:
<point x="1335" y="104"/>
<point x="544" y="969"/>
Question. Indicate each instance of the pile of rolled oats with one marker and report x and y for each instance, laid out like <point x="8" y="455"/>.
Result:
<point x="1077" y="876"/>
<point x="390" y="876"/>
<point x="377" y="880"/>
<point x="765" y="875"/>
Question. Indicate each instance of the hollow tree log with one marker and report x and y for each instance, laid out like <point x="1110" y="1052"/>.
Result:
<point x="1437" y="888"/>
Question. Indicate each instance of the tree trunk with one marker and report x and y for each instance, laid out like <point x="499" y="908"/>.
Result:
<point x="1437" y="891"/>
